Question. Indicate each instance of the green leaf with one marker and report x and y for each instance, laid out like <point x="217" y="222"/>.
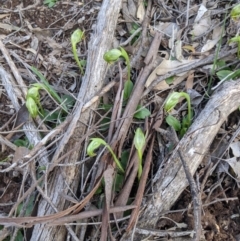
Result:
<point x="53" y="117"/>
<point x="185" y="122"/>
<point x="222" y="74"/>
<point x="118" y="182"/>
<point x="83" y="62"/>
<point x="19" y="236"/>
<point x="236" y="74"/>
<point x="105" y="123"/>
<point x="106" y="107"/>
<point x="29" y="207"/>
<point x="50" y="5"/>
<point x="169" y="80"/>
<point x="221" y="63"/>
<point x="132" y="31"/>
<point x="124" y="158"/>
<point x="69" y="101"/>
<point x="135" y="26"/>
<point x="99" y="190"/>
<point x="183" y="131"/>
<point x="128" y="87"/>
<point x="142" y="113"/>
<point x="175" y="123"/>
<point x="20" y="142"/>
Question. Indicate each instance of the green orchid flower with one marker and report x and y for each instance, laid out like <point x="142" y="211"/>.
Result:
<point x="170" y="103"/>
<point x="32" y="107"/>
<point x="76" y="37"/>
<point x="139" y="142"/>
<point x="96" y="143"/>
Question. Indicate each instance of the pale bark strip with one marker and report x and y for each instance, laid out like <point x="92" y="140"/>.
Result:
<point x="170" y="181"/>
<point x="65" y="178"/>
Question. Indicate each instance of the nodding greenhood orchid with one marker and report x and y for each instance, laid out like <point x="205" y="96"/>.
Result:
<point x="76" y="37"/>
<point x="112" y="56"/>
<point x="170" y="103"/>
<point x="96" y="143"/>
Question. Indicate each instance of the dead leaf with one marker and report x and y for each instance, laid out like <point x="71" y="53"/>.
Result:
<point x="235" y="147"/>
<point x="9" y="27"/>
<point x="167" y="28"/>
<point x="20" y="152"/>
<point x="235" y="165"/>
<point x="4" y="15"/>
<point x="132" y="8"/>
<point x="108" y="179"/>
<point x="178" y="50"/>
<point x="217" y="32"/>
<point x="41" y="34"/>
<point x="165" y="67"/>
<point x="190" y="78"/>
<point x="201" y="11"/>
<point x="53" y="44"/>
<point x="22" y="116"/>
<point x="216" y="36"/>
<point x="140" y="11"/>
<point x="202" y="22"/>
<point x="195" y="97"/>
<point x="189" y="47"/>
<point x="209" y="45"/>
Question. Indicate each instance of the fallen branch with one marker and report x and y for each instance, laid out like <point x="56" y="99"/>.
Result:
<point x="191" y="66"/>
<point x="65" y="180"/>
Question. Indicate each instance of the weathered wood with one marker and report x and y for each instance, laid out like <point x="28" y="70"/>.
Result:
<point x="170" y="181"/>
<point x="64" y="179"/>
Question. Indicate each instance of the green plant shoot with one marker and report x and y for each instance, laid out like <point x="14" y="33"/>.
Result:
<point x="235" y="13"/>
<point x="76" y="37"/>
<point x="112" y="56"/>
<point x="139" y="142"/>
<point x="47" y="87"/>
<point x="50" y="3"/>
<point x="96" y="143"/>
<point x="236" y="40"/>
<point x="171" y="102"/>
